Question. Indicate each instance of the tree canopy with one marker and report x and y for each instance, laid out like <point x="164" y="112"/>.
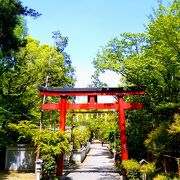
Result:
<point x="19" y="95"/>
<point x="25" y="64"/>
<point x="12" y="24"/>
<point x="151" y="60"/>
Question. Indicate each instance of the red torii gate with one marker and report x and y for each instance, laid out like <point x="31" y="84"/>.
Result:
<point x="92" y="94"/>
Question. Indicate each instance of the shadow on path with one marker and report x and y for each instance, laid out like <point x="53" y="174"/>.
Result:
<point x="17" y="175"/>
<point x="4" y="175"/>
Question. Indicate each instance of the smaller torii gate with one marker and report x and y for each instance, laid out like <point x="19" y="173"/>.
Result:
<point x="92" y="103"/>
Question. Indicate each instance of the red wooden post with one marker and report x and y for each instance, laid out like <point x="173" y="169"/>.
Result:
<point x="62" y="124"/>
<point x="122" y="127"/>
<point x="63" y="109"/>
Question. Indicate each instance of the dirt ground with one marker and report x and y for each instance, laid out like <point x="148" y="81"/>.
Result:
<point x="7" y="175"/>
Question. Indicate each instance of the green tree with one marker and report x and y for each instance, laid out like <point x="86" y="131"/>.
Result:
<point x="12" y="31"/>
<point x="150" y="60"/>
<point x="11" y="24"/>
<point x="81" y="135"/>
<point x="19" y="98"/>
<point x="174" y="128"/>
<point x="157" y="141"/>
<point x="132" y="168"/>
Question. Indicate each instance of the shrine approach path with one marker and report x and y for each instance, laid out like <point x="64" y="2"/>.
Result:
<point x="98" y="165"/>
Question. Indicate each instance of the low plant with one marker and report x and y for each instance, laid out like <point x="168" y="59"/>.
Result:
<point x="81" y="135"/>
<point x="51" y="144"/>
<point x="161" y="177"/>
<point x="132" y="168"/>
<point x="149" y="169"/>
<point x="48" y="166"/>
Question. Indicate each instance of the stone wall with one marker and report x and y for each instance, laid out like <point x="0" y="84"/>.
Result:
<point x="78" y="156"/>
<point x="20" y="157"/>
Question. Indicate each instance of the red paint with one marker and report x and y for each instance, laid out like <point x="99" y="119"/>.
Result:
<point x="122" y="127"/>
<point x="63" y="113"/>
<point x="60" y="166"/>
<point x="62" y="127"/>
<point x="50" y="106"/>
<point x="91" y="105"/>
<point x="133" y="105"/>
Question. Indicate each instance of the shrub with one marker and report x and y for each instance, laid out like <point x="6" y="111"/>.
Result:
<point x="81" y="135"/>
<point x="149" y="169"/>
<point x="132" y="168"/>
<point x="48" y="166"/>
<point x="160" y="177"/>
<point x="51" y="144"/>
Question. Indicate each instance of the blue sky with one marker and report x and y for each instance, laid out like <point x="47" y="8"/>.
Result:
<point x="89" y="24"/>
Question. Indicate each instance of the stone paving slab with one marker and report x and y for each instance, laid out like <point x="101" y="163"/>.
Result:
<point x="98" y="165"/>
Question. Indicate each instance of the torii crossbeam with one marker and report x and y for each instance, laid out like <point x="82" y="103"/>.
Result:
<point x="92" y="103"/>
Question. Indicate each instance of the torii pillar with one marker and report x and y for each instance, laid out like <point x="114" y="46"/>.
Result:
<point x="122" y="128"/>
<point x="62" y="124"/>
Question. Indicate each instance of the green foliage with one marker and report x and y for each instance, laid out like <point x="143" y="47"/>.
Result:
<point x="102" y="126"/>
<point x="24" y="64"/>
<point x="81" y="135"/>
<point x="19" y="98"/>
<point x="157" y="141"/>
<point x="107" y="123"/>
<point x="149" y="169"/>
<point x="166" y="177"/>
<point x="48" y="166"/>
<point x="174" y="136"/>
<point x="138" y="124"/>
<point x="52" y="144"/>
<point x="132" y="168"/>
<point x="165" y="139"/>
<point x="26" y="130"/>
<point x="175" y="126"/>
<point x="12" y="30"/>
<point x="160" y="177"/>
<point x="150" y="60"/>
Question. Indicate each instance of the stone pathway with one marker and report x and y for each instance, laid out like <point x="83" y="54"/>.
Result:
<point x="98" y="165"/>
